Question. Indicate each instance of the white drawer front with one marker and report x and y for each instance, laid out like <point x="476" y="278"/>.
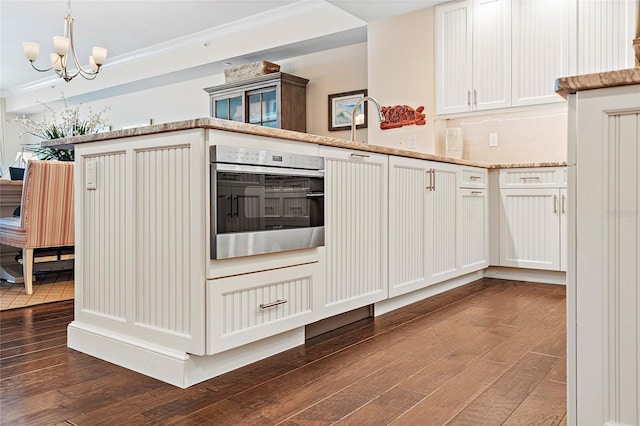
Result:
<point x="474" y="178"/>
<point x="246" y="308"/>
<point x="551" y="177"/>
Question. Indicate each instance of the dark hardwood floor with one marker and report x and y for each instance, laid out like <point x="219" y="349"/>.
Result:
<point x="489" y="353"/>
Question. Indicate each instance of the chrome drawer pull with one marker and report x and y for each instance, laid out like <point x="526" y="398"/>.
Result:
<point x="555" y="204"/>
<point x="475" y="177"/>
<point x="476" y="192"/>
<point x="564" y="199"/>
<point x="272" y="304"/>
<point x="530" y="178"/>
<point x="314" y="195"/>
<point x="356" y="155"/>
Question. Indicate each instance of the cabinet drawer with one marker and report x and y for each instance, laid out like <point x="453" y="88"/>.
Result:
<point x="548" y="177"/>
<point x="246" y="308"/>
<point x="474" y="178"/>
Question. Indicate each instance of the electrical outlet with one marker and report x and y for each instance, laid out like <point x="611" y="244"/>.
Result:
<point x="493" y="139"/>
<point x="412" y="142"/>
<point x="90" y="174"/>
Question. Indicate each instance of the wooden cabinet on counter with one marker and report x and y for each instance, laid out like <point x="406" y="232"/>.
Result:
<point x="275" y="100"/>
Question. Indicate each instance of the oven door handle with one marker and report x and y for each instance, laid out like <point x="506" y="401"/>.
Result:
<point x="315" y="195"/>
<point x="230" y="212"/>
<point x="237" y="168"/>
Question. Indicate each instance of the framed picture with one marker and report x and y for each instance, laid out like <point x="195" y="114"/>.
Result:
<point x="340" y="109"/>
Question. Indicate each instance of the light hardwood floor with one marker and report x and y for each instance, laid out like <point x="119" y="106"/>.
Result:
<point x="489" y="353"/>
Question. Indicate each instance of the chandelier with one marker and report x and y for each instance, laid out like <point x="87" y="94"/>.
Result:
<point x="64" y="47"/>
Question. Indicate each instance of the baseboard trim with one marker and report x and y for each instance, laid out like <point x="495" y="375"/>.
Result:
<point x="523" y="274"/>
<point x="174" y="367"/>
<point x="388" y="305"/>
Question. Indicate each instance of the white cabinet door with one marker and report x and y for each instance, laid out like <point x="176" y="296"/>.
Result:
<point x="530" y="228"/>
<point x="356" y="203"/>
<point x="540" y="36"/>
<point x="453" y="53"/>
<point x="473" y="51"/>
<point x="491" y="54"/>
<point x="441" y="232"/>
<point x="473" y="230"/>
<point x="605" y="29"/>
<point x="408" y="182"/>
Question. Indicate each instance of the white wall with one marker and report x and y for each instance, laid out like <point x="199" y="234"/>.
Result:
<point x="401" y="70"/>
<point x="537" y="135"/>
<point x="331" y="71"/>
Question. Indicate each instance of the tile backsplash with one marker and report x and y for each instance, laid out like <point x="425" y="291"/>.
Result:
<point x="538" y="135"/>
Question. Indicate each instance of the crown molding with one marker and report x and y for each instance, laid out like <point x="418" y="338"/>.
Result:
<point x="271" y="17"/>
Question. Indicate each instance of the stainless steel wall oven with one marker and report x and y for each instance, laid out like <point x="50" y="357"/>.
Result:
<point x="264" y="201"/>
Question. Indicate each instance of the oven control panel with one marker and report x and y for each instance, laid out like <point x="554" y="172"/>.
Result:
<point x="258" y="157"/>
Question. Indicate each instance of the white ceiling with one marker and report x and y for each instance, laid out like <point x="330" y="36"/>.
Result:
<point x="127" y="28"/>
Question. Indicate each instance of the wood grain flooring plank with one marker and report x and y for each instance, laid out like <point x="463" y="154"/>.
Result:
<point x="274" y="401"/>
<point x="76" y="367"/>
<point x="384" y="409"/>
<point x="428" y="380"/>
<point x="114" y="413"/>
<point x="90" y="396"/>
<point x="41" y="331"/>
<point x="516" y="346"/>
<point x="54" y="357"/>
<point x="545" y="406"/>
<point x="33" y="339"/>
<point x="380" y="381"/>
<point x="559" y="372"/>
<point x="554" y="343"/>
<point x="498" y="401"/>
<point x="441" y="405"/>
<point x="32" y="348"/>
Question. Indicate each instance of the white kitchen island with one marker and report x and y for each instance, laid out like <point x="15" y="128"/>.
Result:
<point x="603" y="278"/>
<point x="150" y="298"/>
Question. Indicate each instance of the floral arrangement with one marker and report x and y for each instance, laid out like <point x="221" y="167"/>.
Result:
<point x="61" y="124"/>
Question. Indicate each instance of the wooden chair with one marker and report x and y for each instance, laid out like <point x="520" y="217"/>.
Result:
<point x="46" y="213"/>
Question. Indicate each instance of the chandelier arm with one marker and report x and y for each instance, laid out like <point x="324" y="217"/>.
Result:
<point x="80" y="69"/>
<point x="38" y="69"/>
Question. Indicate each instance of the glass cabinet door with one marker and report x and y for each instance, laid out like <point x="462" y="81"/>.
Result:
<point x="229" y="108"/>
<point x="263" y="107"/>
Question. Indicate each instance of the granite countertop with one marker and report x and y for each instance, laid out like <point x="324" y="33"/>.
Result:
<point x="567" y="85"/>
<point x="234" y="126"/>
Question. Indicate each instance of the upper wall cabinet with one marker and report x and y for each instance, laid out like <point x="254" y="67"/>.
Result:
<point x="473" y="52"/>
<point x="540" y="36"/>
<point x="604" y="33"/>
<point x="494" y="54"/>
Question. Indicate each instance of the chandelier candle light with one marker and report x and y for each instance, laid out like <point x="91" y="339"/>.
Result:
<point x="62" y="45"/>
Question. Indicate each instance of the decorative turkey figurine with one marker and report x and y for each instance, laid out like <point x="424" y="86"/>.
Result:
<point x="402" y="115"/>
